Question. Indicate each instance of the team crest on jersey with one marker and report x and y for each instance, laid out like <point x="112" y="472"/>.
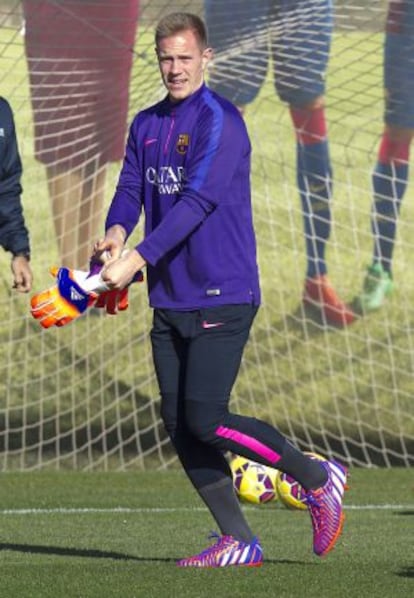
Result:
<point x="182" y="143"/>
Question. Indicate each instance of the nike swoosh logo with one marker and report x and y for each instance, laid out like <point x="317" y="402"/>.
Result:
<point x="207" y="325"/>
<point x="149" y="141"/>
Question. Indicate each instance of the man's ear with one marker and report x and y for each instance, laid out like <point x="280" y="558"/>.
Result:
<point x="207" y="56"/>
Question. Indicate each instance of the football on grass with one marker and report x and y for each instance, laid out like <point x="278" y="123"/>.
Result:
<point x="254" y="483"/>
<point x="290" y="492"/>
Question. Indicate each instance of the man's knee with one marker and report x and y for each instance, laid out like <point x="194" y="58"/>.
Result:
<point x="168" y="414"/>
<point x="203" y="419"/>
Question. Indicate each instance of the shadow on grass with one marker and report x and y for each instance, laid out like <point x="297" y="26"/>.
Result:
<point x="60" y="551"/>
<point x="311" y="320"/>
<point x="406" y="572"/>
<point x="117" y="556"/>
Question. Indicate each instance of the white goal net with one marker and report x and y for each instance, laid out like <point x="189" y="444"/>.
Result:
<point x="85" y="396"/>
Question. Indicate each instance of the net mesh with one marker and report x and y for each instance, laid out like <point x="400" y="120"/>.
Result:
<point x="85" y="396"/>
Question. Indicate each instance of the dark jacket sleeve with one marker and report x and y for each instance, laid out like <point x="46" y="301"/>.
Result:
<point x="14" y="235"/>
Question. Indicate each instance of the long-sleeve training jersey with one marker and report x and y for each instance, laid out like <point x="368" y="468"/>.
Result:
<point x="14" y="236"/>
<point x="188" y="166"/>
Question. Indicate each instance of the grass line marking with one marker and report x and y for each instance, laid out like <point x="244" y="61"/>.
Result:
<point x="93" y="510"/>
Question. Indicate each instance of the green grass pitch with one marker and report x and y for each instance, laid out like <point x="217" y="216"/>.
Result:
<point x="118" y="535"/>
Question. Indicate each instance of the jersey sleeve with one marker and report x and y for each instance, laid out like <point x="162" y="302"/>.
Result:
<point x="126" y="205"/>
<point x="14" y="235"/>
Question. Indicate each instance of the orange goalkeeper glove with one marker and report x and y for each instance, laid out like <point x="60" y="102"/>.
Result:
<point x="75" y="291"/>
<point x="64" y="302"/>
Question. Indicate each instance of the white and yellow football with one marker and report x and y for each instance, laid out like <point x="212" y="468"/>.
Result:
<point x="290" y="492"/>
<point x="253" y="482"/>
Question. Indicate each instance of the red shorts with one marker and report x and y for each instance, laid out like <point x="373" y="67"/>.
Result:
<point x="79" y="55"/>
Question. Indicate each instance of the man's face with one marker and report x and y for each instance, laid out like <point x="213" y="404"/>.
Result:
<point x="182" y="64"/>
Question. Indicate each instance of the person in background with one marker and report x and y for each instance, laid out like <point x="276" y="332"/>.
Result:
<point x="14" y="236"/>
<point x="296" y="35"/>
<point x="79" y="58"/>
<point x="187" y="167"/>
<point x="391" y="171"/>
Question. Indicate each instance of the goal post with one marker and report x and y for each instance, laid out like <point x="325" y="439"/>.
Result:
<point x="85" y="396"/>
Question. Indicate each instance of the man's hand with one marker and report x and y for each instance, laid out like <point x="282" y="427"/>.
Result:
<point x="111" y="246"/>
<point x="116" y="298"/>
<point x="118" y="274"/>
<point x="22" y="274"/>
<point x="64" y="302"/>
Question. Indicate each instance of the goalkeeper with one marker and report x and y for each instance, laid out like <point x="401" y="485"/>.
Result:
<point x="390" y="175"/>
<point x="296" y="34"/>
<point x="187" y="166"/>
<point x="14" y="236"/>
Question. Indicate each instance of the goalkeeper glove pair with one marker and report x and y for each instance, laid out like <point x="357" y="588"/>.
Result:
<point x="76" y="291"/>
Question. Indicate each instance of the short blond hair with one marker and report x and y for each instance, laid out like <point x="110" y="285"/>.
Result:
<point x="177" y="22"/>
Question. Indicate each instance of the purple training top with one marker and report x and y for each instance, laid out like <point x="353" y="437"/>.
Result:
<point x="188" y="166"/>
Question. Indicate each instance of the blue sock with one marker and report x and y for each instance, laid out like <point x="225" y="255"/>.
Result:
<point x="314" y="177"/>
<point x="389" y="184"/>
